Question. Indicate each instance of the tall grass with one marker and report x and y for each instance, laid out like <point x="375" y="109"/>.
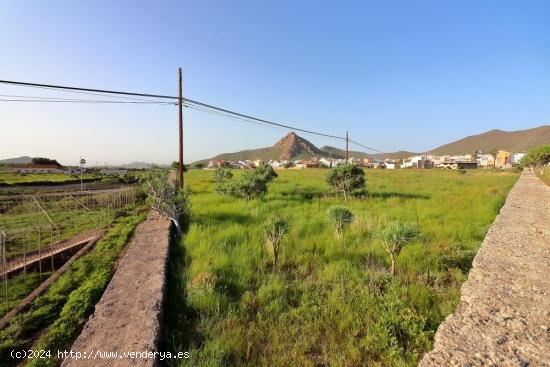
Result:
<point x="330" y="301"/>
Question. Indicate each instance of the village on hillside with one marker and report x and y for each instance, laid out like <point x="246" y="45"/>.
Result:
<point x="497" y="159"/>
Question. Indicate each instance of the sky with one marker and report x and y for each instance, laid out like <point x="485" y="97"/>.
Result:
<point x="398" y="75"/>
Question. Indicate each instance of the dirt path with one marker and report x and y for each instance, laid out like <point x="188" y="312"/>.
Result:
<point x="503" y="318"/>
<point x="127" y="318"/>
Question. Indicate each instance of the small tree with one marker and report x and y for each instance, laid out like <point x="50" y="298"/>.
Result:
<point x="165" y="198"/>
<point x="220" y="176"/>
<point x="252" y="184"/>
<point x="340" y="217"/>
<point x="494" y="153"/>
<point x="394" y="237"/>
<point x="266" y="173"/>
<point x="175" y="165"/>
<point x="346" y="178"/>
<point x="199" y="166"/>
<point x="537" y="157"/>
<point x="275" y="229"/>
<point x="42" y="160"/>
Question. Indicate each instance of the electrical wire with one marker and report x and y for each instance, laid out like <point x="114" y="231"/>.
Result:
<point x="366" y="147"/>
<point x="58" y="99"/>
<point x="81" y="101"/>
<point x="197" y="105"/>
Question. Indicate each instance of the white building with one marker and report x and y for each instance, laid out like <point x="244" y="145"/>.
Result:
<point x="515" y="158"/>
<point x="418" y="161"/>
<point x="485" y="160"/>
<point x="325" y="162"/>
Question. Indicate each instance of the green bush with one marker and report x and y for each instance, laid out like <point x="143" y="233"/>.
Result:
<point x="346" y="178"/>
<point x="339" y="216"/>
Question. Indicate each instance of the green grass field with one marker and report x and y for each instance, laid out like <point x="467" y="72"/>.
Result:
<point x="17" y="178"/>
<point x="329" y="302"/>
<point x="28" y="228"/>
<point x="55" y="318"/>
<point x="544" y="176"/>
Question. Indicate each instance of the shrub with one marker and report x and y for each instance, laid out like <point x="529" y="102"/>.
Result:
<point x="346" y="178"/>
<point x="252" y="184"/>
<point x="394" y="237"/>
<point x="275" y="229"/>
<point x="340" y="217"/>
<point x="166" y="198"/>
<point x="220" y="175"/>
<point x="537" y="157"/>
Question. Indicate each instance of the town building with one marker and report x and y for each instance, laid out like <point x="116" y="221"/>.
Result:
<point x="515" y="158"/>
<point x="502" y="158"/>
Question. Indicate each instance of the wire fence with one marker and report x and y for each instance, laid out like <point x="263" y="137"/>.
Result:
<point x="37" y="230"/>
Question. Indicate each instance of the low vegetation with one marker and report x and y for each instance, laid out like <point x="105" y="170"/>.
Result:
<point x="394" y="236"/>
<point x="165" y="197"/>
<point x="339" y="217"/>
<point x="275" y="229"/>
<point x="55" y="319"/>
<point x="538" y="159"/>
<point x="250" y="185"/>
<point x="330" y="301"/>
<point x="11" y="178"/>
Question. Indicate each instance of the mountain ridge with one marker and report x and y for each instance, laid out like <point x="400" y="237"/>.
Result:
<point x="513" y="141"/>
<point x="292" y="146"/>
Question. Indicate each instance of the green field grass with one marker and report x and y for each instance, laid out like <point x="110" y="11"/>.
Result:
<point x="330" y="302"/>
<point x="17" y="178"/>
<point x="545" y="175"/>
<point x="55" y="318"/>
<point x="18" y="288"/>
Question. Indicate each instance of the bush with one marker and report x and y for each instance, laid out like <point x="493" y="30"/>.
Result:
<point x="275" y="229"/>
<point x="166" y="198"/>
<point x="346" y="178"/>
<point x="252" y="184"/>
<point x="394" y="237"/>
<point x="340" y="217"/>
<point x="537" y="157"/>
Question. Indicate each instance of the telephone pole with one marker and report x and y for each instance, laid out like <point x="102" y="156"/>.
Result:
<point x="180" y="107"/>
<point x="347" y="143"/>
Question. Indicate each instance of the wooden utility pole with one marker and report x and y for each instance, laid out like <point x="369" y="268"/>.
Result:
<point x="180" y="107"/>
<point x="347" y="143"/>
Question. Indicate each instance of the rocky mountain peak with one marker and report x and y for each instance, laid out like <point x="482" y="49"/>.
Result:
<point x="292" y="145"/>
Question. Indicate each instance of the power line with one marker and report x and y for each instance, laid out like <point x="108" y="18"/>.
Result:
<point x="80" y="101"/>
<point x="366" y="147"/>
<point x="237" y="118"/>
<point x="261" y="120"/>
<point x="85" y="89"/>
<point x="20" y="98"/>
<point x="201" y="106"/>
<point x="89" y="93"/>
<point x="190" y="101"/>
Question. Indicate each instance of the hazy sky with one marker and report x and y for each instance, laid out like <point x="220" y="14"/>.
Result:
<point x="399" y="75"/>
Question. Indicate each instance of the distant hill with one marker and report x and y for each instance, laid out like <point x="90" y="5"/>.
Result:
<point x="137" y="165"/>
<point x="19" y="160"/>
<point x="292" y="147"/>
<point x="512" y="141"/>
